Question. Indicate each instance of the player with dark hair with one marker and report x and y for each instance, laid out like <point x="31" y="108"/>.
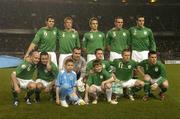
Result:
<point x="46" y="75"/>
<point x="117" y="39"/>
<point x="154" y="75"/>
<point x="142" y="40"/>
<point x="45" y="39"/>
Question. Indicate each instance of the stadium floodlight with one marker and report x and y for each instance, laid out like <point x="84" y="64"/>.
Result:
<point x="152" y="1"/>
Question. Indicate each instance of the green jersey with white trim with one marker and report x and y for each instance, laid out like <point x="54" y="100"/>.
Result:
<point x="124" y="70"/>
<point x="46" y="75"/>
<point x="98" y="77"/>
<point x="46" y="39"/>
<point x="25" y="70"/>
<point x="93" y="40"/>
<point x="68" y="40"/>
<point x="154" y="70"/>
<point x="142" y="39"/>
<point x="118" y="39"/>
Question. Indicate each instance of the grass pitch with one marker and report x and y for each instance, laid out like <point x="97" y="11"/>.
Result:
<point x="125" y="109"/>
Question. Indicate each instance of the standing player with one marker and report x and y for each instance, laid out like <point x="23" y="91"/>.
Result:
<point x="117" y="39"/>
<point x="69" y="38"/>
<point x="154" y="74"/>
<point x="142" y="40"/>
<point x="124" y="68"/>
<point x="66" y="85"/>
<point x="45" y="39"/>
<point x="93" y="39"/>
<point x="47" y="73"/>
<point x="22" y="77"/>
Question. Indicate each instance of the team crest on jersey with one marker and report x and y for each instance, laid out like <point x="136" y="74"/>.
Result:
<point x="124" y="34"/>
<point x="91" y="36"/>
<point x="145" y="32"/>
<point x="101" y="76"/>
<point x="54" y="32"/>
<point x="45" y="33"/>
<point x="100" y="35"/>
<point x="156" y="69"/>
<point x="103" y="65"/>
<point x="114" y="34"/>
<point x="63" y="35"/>
<point x="73" y="35"/>
<point x="129" y="66"/>
<point x="46" y="71"/>
<point x="23" y="66"/>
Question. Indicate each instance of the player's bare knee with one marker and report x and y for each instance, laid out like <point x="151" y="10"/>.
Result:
<point x="165" y="84"/>
<point x="92" y="89"/>
<point x="31" y="86"/>
<point x="39" y="85"/>
<point x="108" y="85"/>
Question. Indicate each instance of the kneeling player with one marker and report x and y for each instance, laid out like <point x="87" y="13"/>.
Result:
<point x="47" y="72"/>
<point x="124" y="68"/>
<point x="66" y="86"/>
<point x="22" y="77"/>
<point x="99" y="81"/>
<point x="154" y="74"/>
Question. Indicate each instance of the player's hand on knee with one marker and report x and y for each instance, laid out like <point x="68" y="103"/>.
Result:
<point x="103" y="85"/>
<point x="154" y="86"/>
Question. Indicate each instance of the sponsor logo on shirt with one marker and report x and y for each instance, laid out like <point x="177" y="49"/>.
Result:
<point x="45" y="33"/>
<point x="91" y="36"/>
<point x="156" y="69"/>
<point x="124" y="34"/>
<point x="145" y="32"/>
<point x="101" y="76"/>
<point x="73" y="35"/>
<point x="54" y="32"/>
<point x="100" y="35"/>
<point x="63" y="35"/>
<point x="129" y="66"/>
<point x="23" y="66"/>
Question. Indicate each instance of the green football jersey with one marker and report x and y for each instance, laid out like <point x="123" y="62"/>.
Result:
<point x="124" y="70"/>
<point x="142" y="39"/>
<point x="68" y="40"/>
<point x="118" y="39"/>
<point x="98" y="78"/>
<point x="105" y="64"/>
<point x="47" y="75"/>
<point x="93" y="40"/>
<point x="154" y="70"/>
<point x="46" y="39"/>
<point x="25" y="70"/>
